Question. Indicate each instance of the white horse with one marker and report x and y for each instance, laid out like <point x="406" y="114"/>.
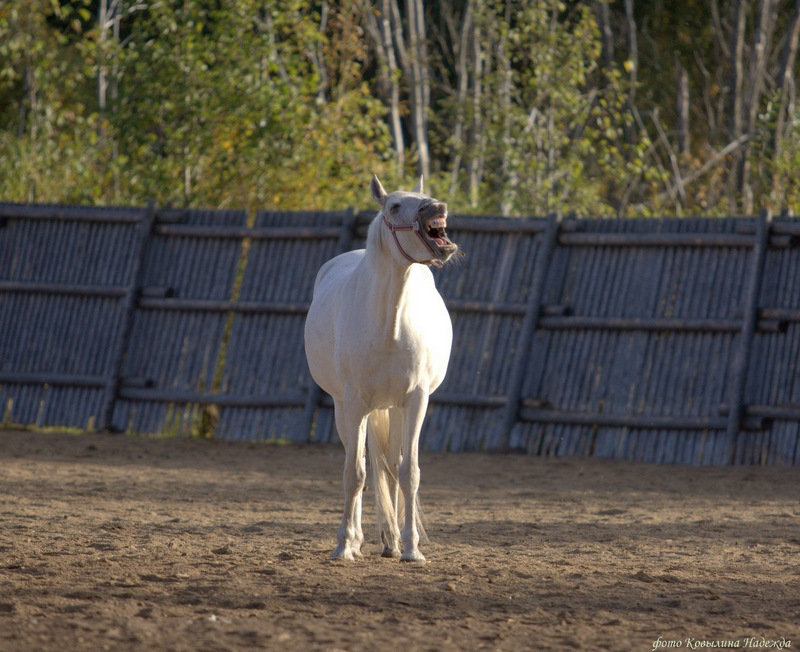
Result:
<point x="378" y="339"/>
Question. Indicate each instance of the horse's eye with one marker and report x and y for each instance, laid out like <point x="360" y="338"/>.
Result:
<point x="394" y="208"/>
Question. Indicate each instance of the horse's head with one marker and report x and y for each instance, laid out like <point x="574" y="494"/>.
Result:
<point x="417" y="224"/>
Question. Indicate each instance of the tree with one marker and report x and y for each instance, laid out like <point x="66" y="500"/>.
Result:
<point x="596" y="107"/>
<point x="740" y="74"/>
<point x="45" y="120"/>
<point x="228" y="105"/>
<point x="537" y="123"/>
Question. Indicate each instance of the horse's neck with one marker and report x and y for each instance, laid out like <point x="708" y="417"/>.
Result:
<point x="387" y="281"/>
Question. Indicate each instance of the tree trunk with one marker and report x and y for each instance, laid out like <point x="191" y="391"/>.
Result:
<point x="27" y="100"/>
<point x="785" y="82"/>
<point x="633" y="72"/>
<point x="683" y="108"/>
<point x="477" y="122"/>
<point x="606" y="35"/>
<point x="391" y="76"/>
<point x="27" y="109"/>
<point x="508" y="173"/>
<point x="317" y="53"/>
<point x="736" y="100"/>
<point x="758" y="64"/>
<point x="420" y="81"/>
<point x="394" y="98"/>
<point x="102" y="69"/>
<point x="462" y="82"/>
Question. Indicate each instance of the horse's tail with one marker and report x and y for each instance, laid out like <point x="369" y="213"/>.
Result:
<point x="384" y="457"/>
<point x="383" y="469"/>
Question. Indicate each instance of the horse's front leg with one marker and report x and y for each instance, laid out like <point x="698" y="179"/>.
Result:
<point x="409" y="474"/>
<point x="351" y="423"/>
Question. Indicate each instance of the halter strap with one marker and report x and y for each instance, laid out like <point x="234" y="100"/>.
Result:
<point x="414" y="226"/>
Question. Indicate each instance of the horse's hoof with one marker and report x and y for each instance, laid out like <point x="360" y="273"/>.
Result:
<point x="345" y="553"/>
<point x="390" y="553"/>
<point x="414" y="555"/>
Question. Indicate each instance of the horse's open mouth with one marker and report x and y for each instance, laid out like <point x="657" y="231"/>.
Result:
<point x="434" y="229"/>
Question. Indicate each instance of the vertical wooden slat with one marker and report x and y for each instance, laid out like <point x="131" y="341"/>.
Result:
<point x="111" y="389"/>
<point x="535" y="300"/>
<point x="741" y="358"/>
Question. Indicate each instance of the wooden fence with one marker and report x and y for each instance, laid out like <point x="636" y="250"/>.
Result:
<point x="670" y="340"/>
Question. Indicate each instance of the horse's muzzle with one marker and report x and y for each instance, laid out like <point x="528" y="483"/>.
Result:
<point x="433" y="224"/>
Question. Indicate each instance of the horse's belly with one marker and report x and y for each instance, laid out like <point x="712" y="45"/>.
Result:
<point x="329" y="300"/>
<point x="386" y="378"/>
<point x="320" y="344"/>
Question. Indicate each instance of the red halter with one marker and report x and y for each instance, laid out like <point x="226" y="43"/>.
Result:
<point x="415" y="227"/>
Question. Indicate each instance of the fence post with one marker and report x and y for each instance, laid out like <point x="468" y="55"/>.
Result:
<point x="741" y="357"/>
<point x="111" y="389"/>
<point x="529" y="324"/>
<point x="348" y="229"/>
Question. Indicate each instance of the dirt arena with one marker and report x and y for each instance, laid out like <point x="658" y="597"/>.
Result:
<point x="120" y="543"/>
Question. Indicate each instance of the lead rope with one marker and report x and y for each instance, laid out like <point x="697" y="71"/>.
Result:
<point x="393" y="228"/>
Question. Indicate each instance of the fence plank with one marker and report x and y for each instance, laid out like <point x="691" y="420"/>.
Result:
<point x="140" y="245"/>
<point x="741" y="358"/>
<point x="529" y="324"/>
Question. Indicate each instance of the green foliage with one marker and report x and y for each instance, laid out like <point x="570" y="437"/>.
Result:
<point x="570" y="131"/>
<point x="556" y="123"/>
<point x="48" y="132"/>
<point x="213" y="107"/>
<point x="778" y="170"/>
<point x="219" y="107"/>
<point x="283" y="105"/>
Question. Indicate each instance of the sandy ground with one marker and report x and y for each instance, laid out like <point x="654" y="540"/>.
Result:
<point x="120" y="543"/>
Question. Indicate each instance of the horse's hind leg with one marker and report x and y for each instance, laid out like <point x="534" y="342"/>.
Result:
<point x="351" y="423"/>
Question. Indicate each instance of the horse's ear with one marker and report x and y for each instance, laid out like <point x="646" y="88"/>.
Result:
<point x="377" y="191"/>
<point x="419" y="186"/>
